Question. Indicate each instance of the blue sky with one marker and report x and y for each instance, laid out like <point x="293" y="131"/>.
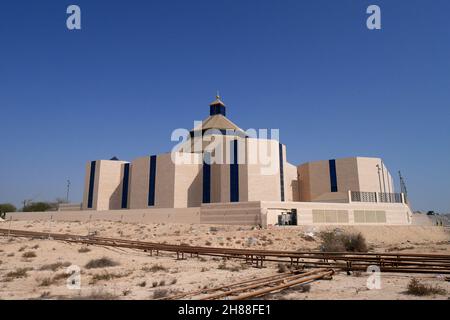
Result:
<point x="139" y="69"/>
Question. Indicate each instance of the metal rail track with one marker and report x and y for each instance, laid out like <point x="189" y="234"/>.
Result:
<point x="387" y="262"/>
<point x="256" y="287"/>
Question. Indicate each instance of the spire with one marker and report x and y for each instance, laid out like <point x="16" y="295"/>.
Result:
<point x="217" y="106"/>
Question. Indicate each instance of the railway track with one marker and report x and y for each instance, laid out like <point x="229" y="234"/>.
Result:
<point x="256" y="287"/>
<point x="387" y="262"/>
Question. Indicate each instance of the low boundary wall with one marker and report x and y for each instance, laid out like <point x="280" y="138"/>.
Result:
<point x="241" y="213"/>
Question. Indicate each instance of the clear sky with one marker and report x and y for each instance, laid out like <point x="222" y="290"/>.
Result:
<point x="139" y="69"/>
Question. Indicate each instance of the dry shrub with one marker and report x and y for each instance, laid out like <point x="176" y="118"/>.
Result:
<point x="174" y="281"/>
<point x="155" y="268"/>
<point x="18" y="273"/>
<point x="142" y="284"/>
<point x="106" y="276"/>
<point x="308" y="237"/>
<point x="355" y="242"/>
<point x="342" y="242"/>
<point x="224" y="266"/>
<point x="100" y="295"/>
<point x="101" y="263"/>
<point x="155" y="284"/>
<point x="208" y="243"/>
<point x="160" y="293"/>
<point x="282" y="268"/>
<point x="54" y="266"/>
<point x="60" y="276"/>
<point x="84" y="250"/>
<point x="162" y="283"/>
<point x="305" y="288"/>
<point x="418" y="289"/>
<point x="126" y="292"/>
<point x="29" y="254"/>
<point x="45" y="282"/>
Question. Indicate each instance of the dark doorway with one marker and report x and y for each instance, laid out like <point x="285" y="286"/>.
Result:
<point x="288" y="218"/>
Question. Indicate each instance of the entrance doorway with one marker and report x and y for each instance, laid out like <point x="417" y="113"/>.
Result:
<point x="288" y="218"/>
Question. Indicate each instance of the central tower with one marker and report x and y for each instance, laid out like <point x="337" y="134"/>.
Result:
<point x="217" y="107"/>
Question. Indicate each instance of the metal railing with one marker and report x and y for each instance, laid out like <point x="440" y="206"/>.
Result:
<point x="376" y="197"/>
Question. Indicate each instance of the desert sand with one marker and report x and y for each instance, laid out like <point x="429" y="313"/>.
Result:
<point x="35" y="269"/>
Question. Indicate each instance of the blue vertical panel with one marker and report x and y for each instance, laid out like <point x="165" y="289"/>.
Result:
<point x="280" y="152"/>
<point x="234" y="174"/>
<point x="333" y="176"/>
<point x="126" y="175"/>
<point x="206" y="179"/>
<point x="152" y="182"/>
<point x="91" y="184"/>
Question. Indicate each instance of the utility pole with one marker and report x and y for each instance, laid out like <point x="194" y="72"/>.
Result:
<point x="26" y="202"/>
<point x="402" y="184"/>
<point x="68" y="190"/>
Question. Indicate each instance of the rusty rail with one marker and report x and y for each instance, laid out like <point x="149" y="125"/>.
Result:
<point x="269" y="285"/>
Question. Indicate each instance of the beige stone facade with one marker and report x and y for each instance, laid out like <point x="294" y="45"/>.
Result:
<point x="359" y="174"/>
<point x="106" y="187"/>
<point x="249" y="181"/>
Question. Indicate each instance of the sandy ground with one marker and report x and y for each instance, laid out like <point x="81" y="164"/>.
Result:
<point x="137" y="275"/>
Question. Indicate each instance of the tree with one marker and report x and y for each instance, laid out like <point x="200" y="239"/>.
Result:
<point x="37" y="207"/>
<point x="6" y="207"/>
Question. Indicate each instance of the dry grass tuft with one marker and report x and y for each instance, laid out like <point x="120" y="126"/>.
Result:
<point x="84" y="250"/>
